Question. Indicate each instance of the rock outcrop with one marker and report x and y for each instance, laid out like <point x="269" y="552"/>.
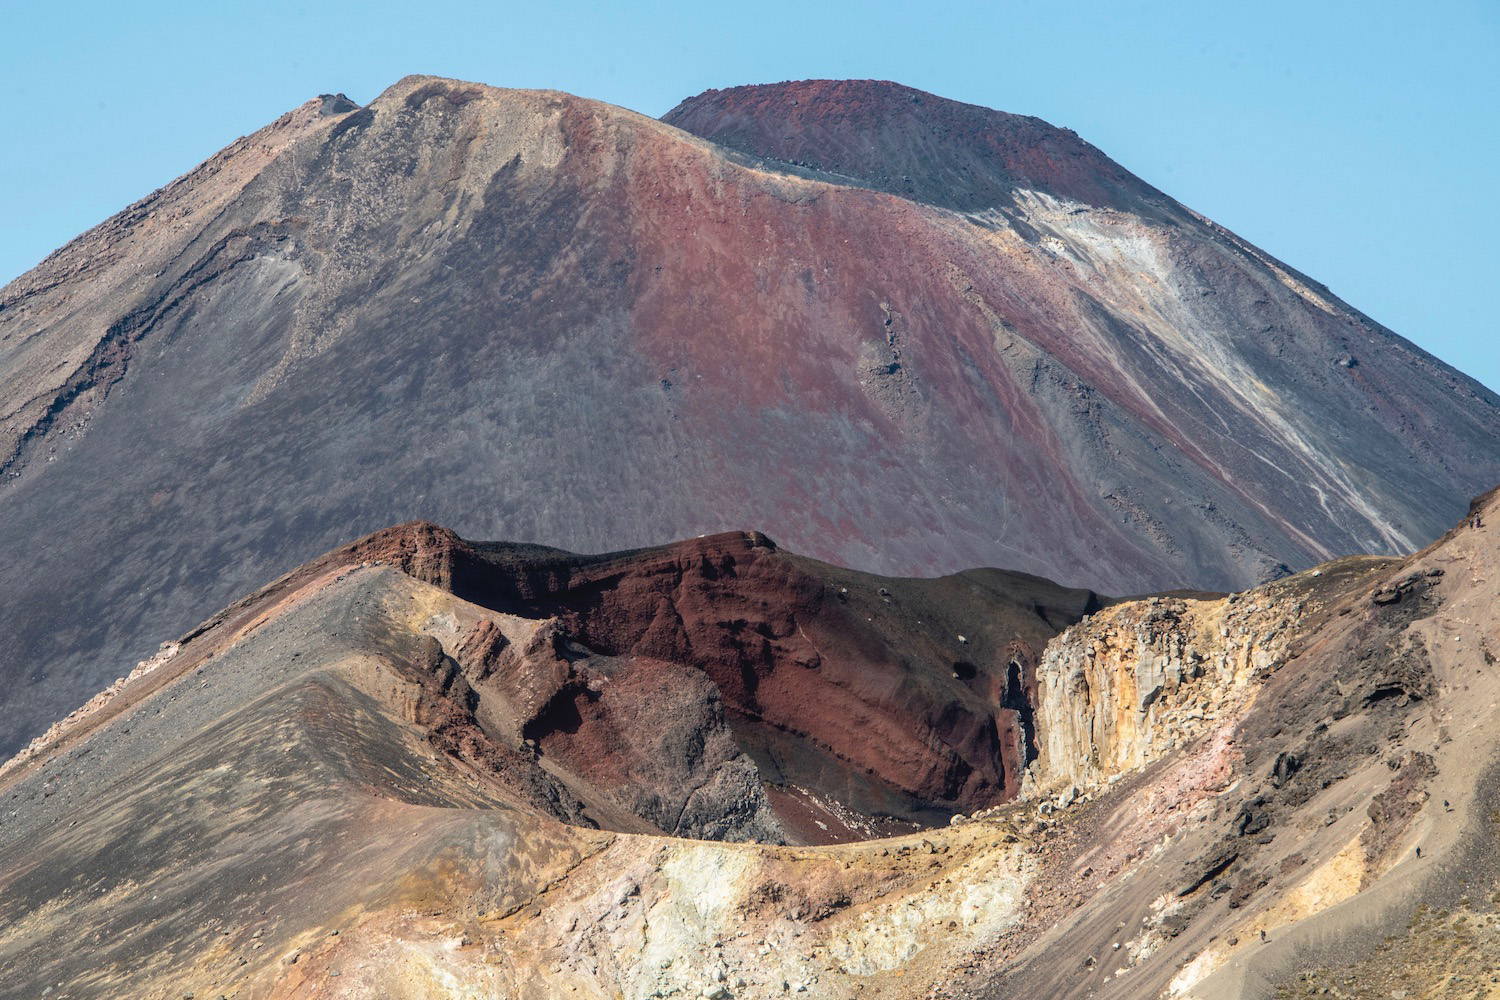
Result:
<point x="647" y="735"/>
<point x="1136" y="681"/>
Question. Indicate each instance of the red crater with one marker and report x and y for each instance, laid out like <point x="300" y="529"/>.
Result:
<point x="865" y="702"/>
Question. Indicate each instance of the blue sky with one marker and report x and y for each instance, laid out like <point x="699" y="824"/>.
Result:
<point x="1358" y="142"/>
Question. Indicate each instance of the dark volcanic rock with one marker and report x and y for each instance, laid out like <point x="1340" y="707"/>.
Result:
<point x="533" y="316"/>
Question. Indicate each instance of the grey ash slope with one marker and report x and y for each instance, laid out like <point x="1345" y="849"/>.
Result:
<point x="536" y="317"/>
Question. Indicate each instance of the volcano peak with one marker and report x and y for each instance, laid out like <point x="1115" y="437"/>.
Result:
<point x="909" y="142"/>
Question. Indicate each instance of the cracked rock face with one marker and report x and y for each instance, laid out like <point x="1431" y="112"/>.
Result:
<point x="1136" y="681"/>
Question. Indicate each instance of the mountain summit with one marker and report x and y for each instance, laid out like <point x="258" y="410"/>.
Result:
<point x="911" y="143"/>
<point x="942" y="337"/>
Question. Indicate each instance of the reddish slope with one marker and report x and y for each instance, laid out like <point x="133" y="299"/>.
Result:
<point x="910" y="143"/>
<point x="891" y="697"/>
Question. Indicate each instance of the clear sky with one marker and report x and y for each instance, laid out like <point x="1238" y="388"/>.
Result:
<point x="1357" y="141"/>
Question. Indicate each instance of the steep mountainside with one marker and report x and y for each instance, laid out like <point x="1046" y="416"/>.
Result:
<point x="329" y="788"/>
<point x="532" y="316"/>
